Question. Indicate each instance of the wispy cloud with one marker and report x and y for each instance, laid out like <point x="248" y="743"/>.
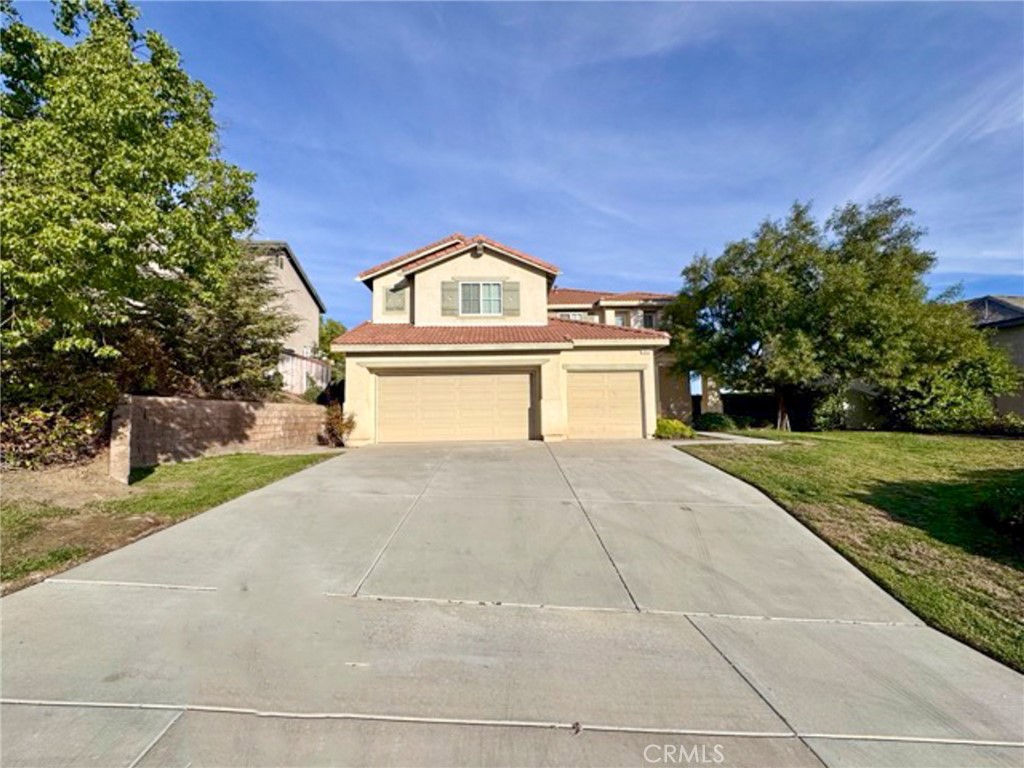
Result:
<point x="995" y="105"/>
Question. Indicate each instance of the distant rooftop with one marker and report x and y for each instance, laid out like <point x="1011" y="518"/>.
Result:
<point x="997" y="311"/>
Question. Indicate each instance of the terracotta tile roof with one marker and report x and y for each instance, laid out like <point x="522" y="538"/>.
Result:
<point x="458" y="242"/>
<point x="457" y="236"/>
<point x="574" y="296"/>
<point x="638" y="296"/>
<point x="555" y="332"/>
<point x="560" y="297"/>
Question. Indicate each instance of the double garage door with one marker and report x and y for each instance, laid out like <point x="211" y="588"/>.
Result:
<point x="467" y="405"/>
<point x="430" y="407"/>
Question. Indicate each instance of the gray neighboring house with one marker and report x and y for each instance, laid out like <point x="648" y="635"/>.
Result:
<point x="1004" y="316"/>
<point x="300" y="359"/>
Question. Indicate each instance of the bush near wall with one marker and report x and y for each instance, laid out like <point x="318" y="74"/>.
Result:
<point x="673" y="429"/>
<point x="34" y="437"/>
<point x="714" y="422"/>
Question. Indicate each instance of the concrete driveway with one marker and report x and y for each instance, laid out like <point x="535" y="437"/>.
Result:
<point x="498" y="604"/>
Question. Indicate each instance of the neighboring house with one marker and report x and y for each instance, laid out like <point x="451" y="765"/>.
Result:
<point x="299" y="363"/>
<point x="634" y="309"/>
<point x="461" y="346"/>
<point x="1004" y="317"/>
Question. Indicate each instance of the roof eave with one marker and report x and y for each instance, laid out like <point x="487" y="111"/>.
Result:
<point x="349" y="349"/>
<point x="373" y="272"/>
<point x="637" y="342"/>
<point x="298" y="268"/>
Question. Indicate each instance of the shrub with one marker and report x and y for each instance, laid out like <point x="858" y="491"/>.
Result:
<point x="1007" y="425"/>
<point x="1004" y="511"/>
<point x="673" y="429"/>
<point x="33" y="437"/>
<point x="313" y="390"/>
<point x="338" y="425"/>
<point x="714" y="422"/>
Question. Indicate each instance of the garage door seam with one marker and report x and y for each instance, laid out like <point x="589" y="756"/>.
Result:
<point x="756" y="690"/>
<point x="401" y="522"/>
<point x="593" y="527"/>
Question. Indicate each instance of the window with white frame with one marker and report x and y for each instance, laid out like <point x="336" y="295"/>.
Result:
<point x="572" y="315"/>
<point x="480" y="298"/>
<point x="622" y="319"/>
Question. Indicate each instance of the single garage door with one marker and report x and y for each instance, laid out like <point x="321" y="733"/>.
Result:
<point x="427" y="407"/>
<point x="605" y="404"/>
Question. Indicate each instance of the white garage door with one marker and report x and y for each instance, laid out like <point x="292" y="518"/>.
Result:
<point x="453" y="406"/>
<point x="605" y="404"/>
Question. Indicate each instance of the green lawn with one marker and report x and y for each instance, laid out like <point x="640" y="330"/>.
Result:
<point x="906" y="509"/>
<point x="37" y="539"/>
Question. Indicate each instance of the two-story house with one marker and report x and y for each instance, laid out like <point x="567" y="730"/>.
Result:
<point x="298" y="364"/>
<point x="462" y="346"/>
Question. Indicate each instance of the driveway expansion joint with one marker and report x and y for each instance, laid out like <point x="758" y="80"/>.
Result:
<point x="593" y="528"/>
<point x="579" y="726"/>
<point x="137" y="584"/>
<point x="756" y="690"/>
<point x="607" y="609"/>
<point x="398" y="527"/>
<point x="156" y="739"/>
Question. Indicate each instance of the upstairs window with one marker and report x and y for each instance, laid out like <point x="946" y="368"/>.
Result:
<point x="480" y="298"/>
<point x="622" y="319"/>
<point x="572" y="315"/>
<point x="650" y="319"/>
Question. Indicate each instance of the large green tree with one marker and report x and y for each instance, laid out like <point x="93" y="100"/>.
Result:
<point x="113" y="193"/>
<point x="116" y="204"/>
<point x="802" y="309"/>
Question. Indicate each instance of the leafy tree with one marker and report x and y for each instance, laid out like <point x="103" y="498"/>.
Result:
<point x="227" y="343"/>
<point x="944" y="375"/>
<point x="113" y="193"/>
<point x="801" y="310"/>
<point x="331" y="329"/>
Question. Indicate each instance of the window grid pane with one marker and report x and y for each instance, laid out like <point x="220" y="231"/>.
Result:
<point x="471" y="298"/>
<point x="491" y="304"/>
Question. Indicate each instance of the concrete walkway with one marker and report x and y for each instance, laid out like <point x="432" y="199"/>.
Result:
<point x="492" y="604"/>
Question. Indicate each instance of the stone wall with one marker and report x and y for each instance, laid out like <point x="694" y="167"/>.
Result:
<point x="147" y="431"/>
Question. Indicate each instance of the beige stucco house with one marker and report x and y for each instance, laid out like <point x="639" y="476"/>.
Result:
<point x="463" y="345"/>
<point x="299" y="362"/>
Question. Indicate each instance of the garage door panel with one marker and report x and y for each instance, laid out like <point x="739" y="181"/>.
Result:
<point x="605" y="404"/>
<point x="453" y="406"/>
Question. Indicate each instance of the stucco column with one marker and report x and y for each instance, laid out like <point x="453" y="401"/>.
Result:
<point x="650" y="385"/>
<point x="359" y="396"/>
<point x="553" y="416"/>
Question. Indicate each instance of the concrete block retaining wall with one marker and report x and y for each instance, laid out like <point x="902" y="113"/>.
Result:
<point x="156" y="430"/>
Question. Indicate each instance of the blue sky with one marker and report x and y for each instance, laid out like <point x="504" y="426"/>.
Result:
<point x="615" y="140"/>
